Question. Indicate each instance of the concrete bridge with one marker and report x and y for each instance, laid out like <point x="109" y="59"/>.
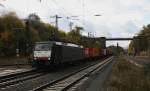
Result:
<point x="118" y="39"/>
<point x="104" y="39"/>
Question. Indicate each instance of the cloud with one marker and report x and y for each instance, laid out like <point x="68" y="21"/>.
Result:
<point x="119" y="18"/>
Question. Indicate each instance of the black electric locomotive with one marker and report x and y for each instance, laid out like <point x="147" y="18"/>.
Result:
<point x="53" y="53"/>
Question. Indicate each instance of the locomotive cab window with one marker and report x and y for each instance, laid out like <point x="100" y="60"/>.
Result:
<point x="42" y="47"/>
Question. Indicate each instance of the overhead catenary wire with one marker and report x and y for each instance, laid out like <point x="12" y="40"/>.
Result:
<point x="67" y="14"/>
<point x="61" y="8"/>
<point x="64" y="13"/>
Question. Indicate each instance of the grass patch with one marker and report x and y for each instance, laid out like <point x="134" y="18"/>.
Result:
<point x="128" y="77"/>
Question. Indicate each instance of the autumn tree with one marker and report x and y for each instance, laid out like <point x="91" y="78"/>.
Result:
<point x="8" y="24"/>
<point x="75" y="35"/>
<point x="141" y="43"/>
<point x="116" y="50"/>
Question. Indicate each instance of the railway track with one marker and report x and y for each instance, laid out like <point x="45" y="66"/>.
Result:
<point x="68" y="81"/>
<point x="17" y="78"/>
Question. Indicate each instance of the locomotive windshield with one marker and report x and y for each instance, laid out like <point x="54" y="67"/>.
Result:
<point x="42" y="47"/>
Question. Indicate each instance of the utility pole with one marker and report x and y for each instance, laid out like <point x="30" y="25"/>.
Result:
<point x="29" y="37"/>
<point x="88" y="34"/>
<point x="70" y="25"/>
<point x="148" y="38"/>
<point x="56" y="25"/>
<point x="70" y="22"/>
<point x="17" y="32"/>
<point x="117" y="49"/>
<point x="56" y="20"/>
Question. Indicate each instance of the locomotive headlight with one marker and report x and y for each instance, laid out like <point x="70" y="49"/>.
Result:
<point x="49" y="58"/>
<point x="35" y="58"/>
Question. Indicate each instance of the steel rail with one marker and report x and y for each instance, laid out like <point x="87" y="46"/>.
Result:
<point x="13" y="79"/>
<point x="68" y="81"/>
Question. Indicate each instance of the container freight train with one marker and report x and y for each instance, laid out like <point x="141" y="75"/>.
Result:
<point x="53" y="53"/>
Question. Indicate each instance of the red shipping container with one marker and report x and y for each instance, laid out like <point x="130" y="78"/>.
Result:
<point x="95" y="52"/>
<point x="86" y="52"/>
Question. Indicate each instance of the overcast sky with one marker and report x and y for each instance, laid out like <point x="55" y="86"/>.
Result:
<point x="119" y="18"/>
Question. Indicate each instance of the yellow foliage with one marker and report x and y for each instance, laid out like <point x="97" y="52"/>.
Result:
<point x="6" y="36"/>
